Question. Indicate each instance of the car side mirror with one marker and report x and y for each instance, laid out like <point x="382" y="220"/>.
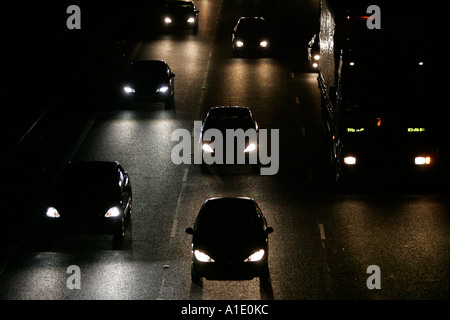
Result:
<point x="189" y="230"/>
<point x="269" y="230"/>
<point x="172" y="75"/>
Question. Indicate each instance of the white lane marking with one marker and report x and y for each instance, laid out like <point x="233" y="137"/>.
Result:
<point x="297" y="100"/>
<point x="292" y="75"/>
<point x="322" y="232"/>
<point x="185" y="175"/>
<point x="175" y="219"/>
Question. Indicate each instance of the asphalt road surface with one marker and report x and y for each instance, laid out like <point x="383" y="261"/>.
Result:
<point x="325" y="238"/>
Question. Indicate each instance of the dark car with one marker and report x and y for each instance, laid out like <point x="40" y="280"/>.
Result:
<point x="92" y="197"/>
<point x="230" y="241"/>
<point x="181" y="15"/>
<point x="150" y="81"/>
<point x="251" y="36"/>
<point x="313" y="52"/>
<point x="245" y="146"/>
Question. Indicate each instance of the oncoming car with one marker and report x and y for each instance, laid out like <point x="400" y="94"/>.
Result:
<point x="150" y="81"/>
<point x="313" y="52"/>
<point x="251" y="36"/>
<point x="229" y="241"/>
<point x="239" y="132"/>
<point x="92" y="197"/>
<point x="181" y="15"/>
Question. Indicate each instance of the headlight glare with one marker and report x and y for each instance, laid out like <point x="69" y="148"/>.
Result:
<point x="350" y="160"/>
<point x="113" y="212"/>
<point x="423" y="160"/>
<point x="263" y="44"/>
<point x="257" y="256"/>
<point x="52" y="212"/>
<point x="207" y="148"/>
<point x="128" y="89"/>
<point x="239" y="43"/>
<point x="251" y="147"/>
<point x="162" y="89"/>
<point x="167" y="20"/>
<point x="191" y="20"/>
<point x="202" y="257"/>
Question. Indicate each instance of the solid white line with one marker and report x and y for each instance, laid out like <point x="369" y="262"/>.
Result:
<point x="297" y="100"/>
<point x="292" y="75"/>
<point x="185" y="175"/>
<point x="175" y="219"/>
<point x="322" y="232"/>
<point x="161" y="290"/>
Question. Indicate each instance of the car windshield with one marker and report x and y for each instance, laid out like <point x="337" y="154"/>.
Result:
<point x="87" y="181"/>
<point x="252" y="26"/>
<point x="229" y="118"/>
<point x="235" y="217"/>
<point x="153" y="69"/>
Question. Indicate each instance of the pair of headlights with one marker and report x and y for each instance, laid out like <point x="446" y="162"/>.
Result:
<point x="129" y="90"/>
<point x="203" y="257"/>
<point x="209" y="149"/>
<point x="262" y="44"/>
<point x="419" y="160"/>
<point x="111" y="213"/>
<point x="169" y="20"/>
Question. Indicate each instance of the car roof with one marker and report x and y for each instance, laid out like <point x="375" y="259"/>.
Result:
<point x="226" y="110"/>
<point x="230" y="203"/>
<point x="80" y="170"/>
<point x="239" y="212"/>
<point x="149" y="63"/>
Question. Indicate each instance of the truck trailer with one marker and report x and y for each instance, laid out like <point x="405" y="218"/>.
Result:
<point x="381" y="100"/>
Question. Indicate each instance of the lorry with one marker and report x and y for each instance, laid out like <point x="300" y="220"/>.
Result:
<point x="381" y="107"/>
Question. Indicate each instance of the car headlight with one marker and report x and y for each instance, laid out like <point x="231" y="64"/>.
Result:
<point x="251" y="147"/>
<point x="167" y="20"/>
<point x="113" y="212"/>
<point x="263" y="44"/>
<point x="191" y="20"/>
<point x="207" y="148"/>
<point x="316" y="57"/>
<point x="258" y="255"/>
<point x="162" y="89"/>
<point x="52" y="212"/>
<point x="128" y="89"/>
<point x="202" y="257"/>
<point x="239" y="43"/>
<point x="350" y="160"/>
<point x="422" y="160"/>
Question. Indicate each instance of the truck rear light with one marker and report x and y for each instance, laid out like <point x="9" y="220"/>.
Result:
<point x="350" y="160"/>
<point x="421" y="161"/>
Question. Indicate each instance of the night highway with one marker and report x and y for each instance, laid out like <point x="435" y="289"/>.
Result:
<point x="382" y="237"/>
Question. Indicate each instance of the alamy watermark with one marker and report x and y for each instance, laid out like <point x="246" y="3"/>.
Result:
<point x="74" y="280"/>
<point x="257" y="148"/>
<point x="74" y="20"/>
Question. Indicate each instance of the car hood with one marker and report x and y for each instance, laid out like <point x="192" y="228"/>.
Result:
<point x="179" y="14"/>
<point x="146" y="84"/>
